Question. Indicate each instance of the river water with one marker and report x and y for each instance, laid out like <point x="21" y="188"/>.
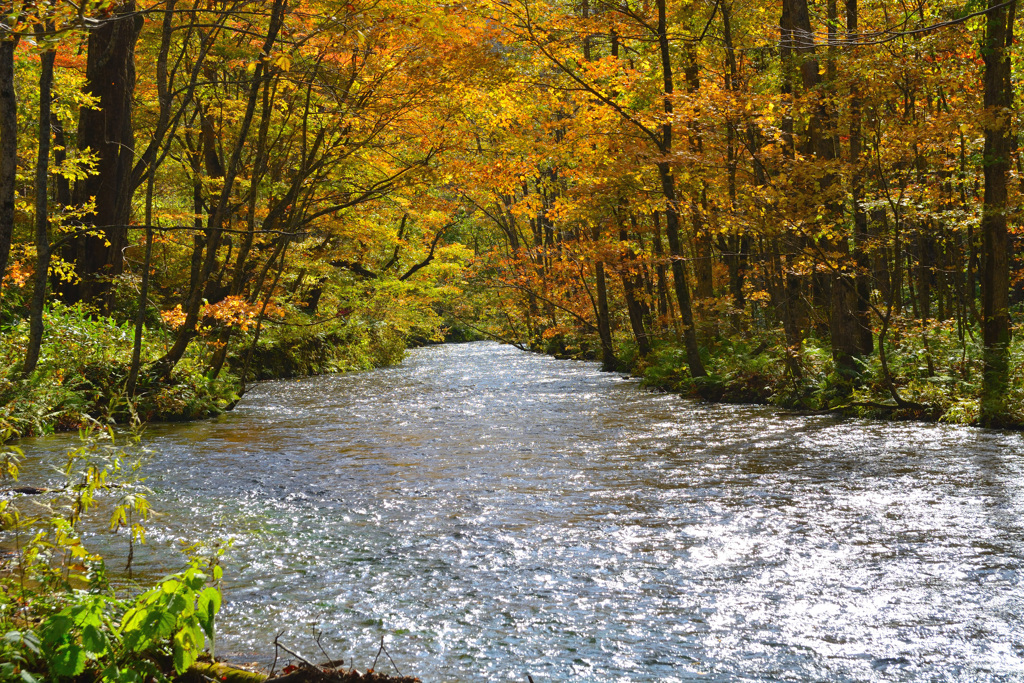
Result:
<point x="494" y="513"/>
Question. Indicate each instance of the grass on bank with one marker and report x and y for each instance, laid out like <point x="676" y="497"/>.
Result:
<point x="82" y="373"/>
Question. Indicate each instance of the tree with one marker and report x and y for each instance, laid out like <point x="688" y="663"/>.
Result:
<point x="995" y="247"/>
<point x="42" y="217"/>
<point x="106" y="129"/>
<point x="8" y="147"/>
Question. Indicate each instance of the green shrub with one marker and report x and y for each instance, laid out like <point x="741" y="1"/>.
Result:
<point x="59" y="617"/>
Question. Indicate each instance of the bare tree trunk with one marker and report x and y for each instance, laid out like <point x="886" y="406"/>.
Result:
<point x="42" y="237"/>
<point x="108" y="131"/>
<point x="995" y="271"/>
<point x="8" y="148"/>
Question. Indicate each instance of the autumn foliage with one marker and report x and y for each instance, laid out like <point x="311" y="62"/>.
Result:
<point x="810" y="203"/>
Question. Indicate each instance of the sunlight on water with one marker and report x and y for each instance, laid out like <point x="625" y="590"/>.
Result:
<point x="493" y="513"/>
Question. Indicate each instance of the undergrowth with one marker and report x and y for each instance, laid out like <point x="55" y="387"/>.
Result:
<point x="82" y="373"/>
<point x="81" y="377"/>
<point x="934" y="373"/>
<point x="60" y="618"/>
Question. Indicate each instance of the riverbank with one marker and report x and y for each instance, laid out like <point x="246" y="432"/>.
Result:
<point x="81" y="377"/>
<point x="298" y="672"/>
<point x="929" y="377"/>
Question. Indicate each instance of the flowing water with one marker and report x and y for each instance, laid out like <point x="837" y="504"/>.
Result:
<point x="494" y="513"/>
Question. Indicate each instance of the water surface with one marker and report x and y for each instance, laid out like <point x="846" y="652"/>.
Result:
<point x="494" y="513"/>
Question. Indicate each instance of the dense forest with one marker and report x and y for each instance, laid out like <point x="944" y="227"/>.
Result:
<point x="804" y="203"/>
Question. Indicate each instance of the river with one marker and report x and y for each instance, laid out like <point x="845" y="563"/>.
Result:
<point x="494" y="513"/>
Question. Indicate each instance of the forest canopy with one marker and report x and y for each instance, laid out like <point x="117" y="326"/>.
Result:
<point x="810" y="203"/>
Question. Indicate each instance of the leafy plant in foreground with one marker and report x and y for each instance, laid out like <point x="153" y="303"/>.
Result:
<point x="59" y="617"/>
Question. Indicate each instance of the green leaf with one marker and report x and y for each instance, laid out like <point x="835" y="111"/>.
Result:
<point x="185" y="651"/>
<point x="210" y="599"/>
<point x="144" y="625"/>
<point x="89" y="614"/>
<point x="208" y="607"/>
<point x="94" y="640"/>
<point x="28" y="640"/>
<point x="112" y="674"/>
<point x="196" y="635"/>
<point x="56" y="630"/>
<point x="68" y="661"/>
<point x="178" y="605"/>
<point x="195" y="579"/>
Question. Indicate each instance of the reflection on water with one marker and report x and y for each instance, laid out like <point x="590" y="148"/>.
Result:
<point x="494" y="513"/>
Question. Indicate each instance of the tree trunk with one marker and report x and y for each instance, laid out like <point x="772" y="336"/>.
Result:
<point x="995" y="275"/>
<point x="633" y="291"/>
<point x="736" y="254"/>
<point x="604" y="328"/>
<point x="668" y="188"/>
<point x="703" y="270"/>
<point x="862" y="286"/>
<point x="107" y="130"/>
<point x="241" y="269"/>
<point x="8" y="149"/>
<point x="42" y="237"/>
<point x="219" y="214"/>
<point x="659" y="269"/>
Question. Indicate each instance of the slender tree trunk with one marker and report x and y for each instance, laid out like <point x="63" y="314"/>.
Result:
<point x="240" y="270"/>
<point x="152" y="158"/>
<point x="703" y="269"/>
<point x="845" y="326"/>
<point x="633" y="291"/>
<point x="42" y="237"/>
<point x="659" y="269"/>
<point x="736" y="259"/>
<point x="792" y="320"/>
<point x="668" y="188"/>
<point x="995" y="273"/>
<point x="8" y="149"/>
<point x="604" y="329"/>
<point x="792" y="282"/>
<point x="862" y="262"/>
<point x="140" y="315"/>
<point x="263" y="311"/>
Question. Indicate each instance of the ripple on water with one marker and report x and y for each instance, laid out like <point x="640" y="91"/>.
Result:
<point x="493" y="512"/>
